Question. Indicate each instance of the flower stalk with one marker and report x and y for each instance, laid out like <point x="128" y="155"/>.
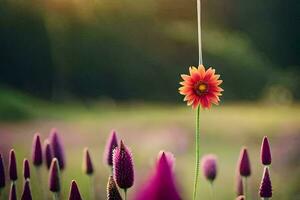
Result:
<point x="197" y="164"/>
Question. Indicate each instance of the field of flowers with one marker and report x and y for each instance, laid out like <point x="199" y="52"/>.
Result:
<point x="148" y="129"/>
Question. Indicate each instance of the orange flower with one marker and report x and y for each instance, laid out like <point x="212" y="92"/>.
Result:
<point x="201" y="87"/>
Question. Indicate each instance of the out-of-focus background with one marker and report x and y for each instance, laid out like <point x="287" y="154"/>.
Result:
<point x="86" y="67"/>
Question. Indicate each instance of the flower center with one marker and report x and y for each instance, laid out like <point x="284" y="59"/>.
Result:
<point x="202" y="87"/>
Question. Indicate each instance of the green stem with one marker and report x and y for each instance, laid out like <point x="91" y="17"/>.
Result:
<point x="125" y="194"/>
<point x="265" y="198"/>
<point x="92" y="187"/>
<point x="245" y="187"/>
<point x="197" y="154"/>
<point x="55" y="196"/>
<point x="212" y="191"/>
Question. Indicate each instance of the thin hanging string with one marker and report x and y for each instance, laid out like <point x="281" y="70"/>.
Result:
<point x="199" y="31"/>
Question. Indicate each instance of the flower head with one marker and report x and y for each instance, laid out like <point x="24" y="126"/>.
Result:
<point x="201" y="87"/>
<point x="161" y="184"/>
<point x="26" y="169"/>
<point x="54" y="177"/>
<point x="244" y="163"/>
<point x="265" y="190"/>
<point x="111" y="144"/>
<point x="265" y="152"/>
<point x="37" y="152"/>
<point x="74" y="192"/>
<point x="26" y="195"/>
<point x="112" y="190"/>
<point x="48" y="153"/>
<point x="87" y="164"/>
<point x="12" y="192"/>
<point x="12" y="166"/>
<point x="57" y="148"/>
<point x="2" y="173"/>
<point x="123" y="166"/>
<point x="209" y="167"/>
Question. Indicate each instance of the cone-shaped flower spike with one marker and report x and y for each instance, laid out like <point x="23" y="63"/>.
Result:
<point x="112" y="190"/>
<point x="87" y="164"/>
<point x="2" y="173"/>
<point x="12" y="192"/>
<point x="123" y="166"/>
<point x="54" y="176"/>
<point x="37" y="152"/>
<point x="241" y="197"/>
<point x="111" y="144"/>
<point x="26" y="169"/>
<point x="57" y="148"/>
<point x="209" y="167"/>
<point x="26" y="195"/>
<point x="161" y="184"/>
<point x="48" y="153"/>
<point x="244" y="163"/>
<point x="239" y="185"/>
<point x="12" y="166"/>
<point x="265" y="152"/>
<point x="265" y="190"/>
<point x="74" y="192"/>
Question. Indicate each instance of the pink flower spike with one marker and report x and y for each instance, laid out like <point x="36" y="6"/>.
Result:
<point x="244" y="163"/>
<point x="26" y="169"/>
<point x="265" y="190"/>
<point x="265" y="152"/>
<point x="37" y="152"/>
<point x="111" y="144"/>
<point x="209" y="167"/>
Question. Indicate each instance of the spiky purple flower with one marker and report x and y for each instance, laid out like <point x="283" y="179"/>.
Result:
<point x="265" y="152"/>
<point x="12" y="166"/>
<point x="54" y="176"/>
<point x="209" y="167"/>
<point x="87" y="164"/>
<point x="2" y="173"/>
<point x="26" y="169"/>
<point x="57" y="148"/>
<point x="37" y="152"/>
<point x="26" y="195"/>
<point x="123" y="166"/>
<point x="48" y="153"/>
<point x="265" y="190"/>
<point x="244" y="163"/>
<point x="112" y="190"/>
<point x="111" y="144"/>
<point x="161" y="184"/>
<point x="12" y="192"/>
<point x="74" y="192"/>
<point x="241" y="197"/>
<point x="239" y="185"/>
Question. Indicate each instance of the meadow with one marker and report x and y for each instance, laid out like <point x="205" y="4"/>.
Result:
<point x="149" y="128"/>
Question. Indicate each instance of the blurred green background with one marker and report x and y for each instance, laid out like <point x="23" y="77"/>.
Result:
<point x="89" y="66"/>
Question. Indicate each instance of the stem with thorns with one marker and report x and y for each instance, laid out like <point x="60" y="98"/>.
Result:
<point x="199" y="31"/>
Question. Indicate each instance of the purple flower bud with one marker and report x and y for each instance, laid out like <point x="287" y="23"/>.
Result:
<point x="2" y="173"/>
<point x="123" y="166"/>
<point x="244" y="163"/>
<point x="265" y="152"/>
<point x="12" y="166"/>
<point x="112" y="190"/>
<point x="48" y="153"/>
<point x="111" y="144"/>
<point x="26" y="195"/>
<point x="239" y="185"/>
<point x="37" y="152"/>
<point x="241" y="197"/>
<point x="54" y="177"/>
<point x="209" y="167"/>
<point x="26" y="169"/>
<point x="87" y="164"/>
<point x="57" y="148"/>
<point x="74" y="192"/>
<point x="13" y="192"/>
<point x="161" y="184"/>
<point x="265" y="190"/>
